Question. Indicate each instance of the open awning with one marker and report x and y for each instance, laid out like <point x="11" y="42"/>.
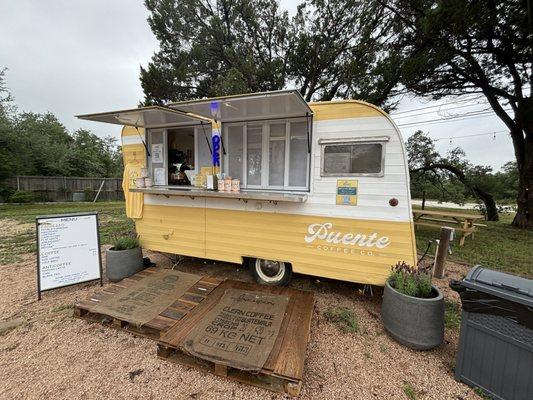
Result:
<point x="245" y="107"/>
<point x="146" y="117"/>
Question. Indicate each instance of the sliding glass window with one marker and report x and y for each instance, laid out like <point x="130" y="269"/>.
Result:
<point x="268" y="155"/>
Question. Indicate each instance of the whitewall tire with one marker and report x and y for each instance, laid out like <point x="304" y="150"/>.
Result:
<point x="269" y="272"/>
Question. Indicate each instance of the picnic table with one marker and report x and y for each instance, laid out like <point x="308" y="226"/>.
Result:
<point x="436" y="219"/>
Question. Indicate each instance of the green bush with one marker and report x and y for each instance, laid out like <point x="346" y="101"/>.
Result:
<point x="88" y="194"/>
<point x="411" y="281"/>
<point x="5" y="193"/>
<point x="125" y="243"/>
<point x="22" y="196"/>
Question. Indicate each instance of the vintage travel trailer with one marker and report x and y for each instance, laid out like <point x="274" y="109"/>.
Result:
<point x="324" y="187"/>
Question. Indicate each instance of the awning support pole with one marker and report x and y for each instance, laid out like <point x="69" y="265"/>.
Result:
<point x="206" y="139"/>
<point x="142" y="140"/>
<point x="308" y="133"/>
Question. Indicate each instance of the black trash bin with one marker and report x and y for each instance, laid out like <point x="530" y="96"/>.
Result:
<point x="496" y="342"/>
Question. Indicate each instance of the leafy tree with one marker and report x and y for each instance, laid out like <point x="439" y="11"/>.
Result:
<point x="90" y="155"/>
<point x="38" y="144"/>
<point x="329" y="49"/>
<point x="7" y="133"/>
<point x="427" y="166"/>
<point x="458" y="47"/>
<point x="344" y="49"/>
<point x="210" y="48"/>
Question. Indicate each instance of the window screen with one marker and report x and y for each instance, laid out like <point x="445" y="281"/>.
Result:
<point x="276" y="155"/>
<point x="298" y="154"/>
<point x="234" y="149"/>
<point x="254" y="140"/>
<point x="357" y="158"/>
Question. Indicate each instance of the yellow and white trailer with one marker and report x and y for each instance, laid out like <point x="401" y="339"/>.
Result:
<point x="324" y="186"/>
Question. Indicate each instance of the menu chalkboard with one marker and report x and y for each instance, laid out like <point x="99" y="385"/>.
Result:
<point x="68" y="250"/>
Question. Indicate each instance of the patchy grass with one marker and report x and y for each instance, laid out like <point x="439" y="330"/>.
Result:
<point x="409" y="391"/>
<point x="63" y="308"/>
<point x="112" y="220"/>
<point x="498" y="246"/>
<point x="452" y="314"/>
<point x="344" y="318"/>
<point x="480" y="393"/>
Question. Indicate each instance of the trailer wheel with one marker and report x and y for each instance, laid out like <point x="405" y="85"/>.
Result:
<point x="268" y="272"/>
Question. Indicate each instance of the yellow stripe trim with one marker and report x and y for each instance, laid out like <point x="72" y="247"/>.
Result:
<point x="344" y="109"/>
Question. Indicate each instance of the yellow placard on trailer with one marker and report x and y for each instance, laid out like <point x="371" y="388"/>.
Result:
<point x="347" y="192"/>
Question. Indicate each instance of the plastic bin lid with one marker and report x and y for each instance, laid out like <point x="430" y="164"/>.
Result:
<point x="499" y="284"/>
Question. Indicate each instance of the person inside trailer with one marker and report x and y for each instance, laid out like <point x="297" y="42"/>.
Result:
<point x="181" y="153"/>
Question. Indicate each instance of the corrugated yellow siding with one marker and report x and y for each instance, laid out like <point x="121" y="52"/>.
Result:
<point x="344" y="109"/>
<point x="177" y="230"/>
<point x="228" y="235"/>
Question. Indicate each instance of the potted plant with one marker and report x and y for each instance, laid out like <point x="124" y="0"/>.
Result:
<point x="413" y="309"/>
<point x="124" y="259"/>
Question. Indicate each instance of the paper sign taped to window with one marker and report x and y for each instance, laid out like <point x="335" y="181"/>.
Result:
<point x="157" y="153"/>
<point x="346" y="192"/>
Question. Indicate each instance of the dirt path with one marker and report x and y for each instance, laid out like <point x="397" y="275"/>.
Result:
<point x="50" y="354"/>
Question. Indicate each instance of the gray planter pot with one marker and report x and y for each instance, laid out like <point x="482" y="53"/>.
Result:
<point x="415" y="323"/>
<point x="121" y="264"/>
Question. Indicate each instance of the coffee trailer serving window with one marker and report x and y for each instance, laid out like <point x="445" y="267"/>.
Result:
<point x="266" y="138"/>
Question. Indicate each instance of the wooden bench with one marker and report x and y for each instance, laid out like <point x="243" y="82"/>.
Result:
<point x="466" y="223"/>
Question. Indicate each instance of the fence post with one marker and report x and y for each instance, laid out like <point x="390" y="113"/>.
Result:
<point x="442" y="251"/>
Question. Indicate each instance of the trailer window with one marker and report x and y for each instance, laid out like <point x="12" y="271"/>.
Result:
<point x="298" y="154"/>
<point x="234" y="147"/>
<point x="352" y="159"/>
<point x="275" y="154"/>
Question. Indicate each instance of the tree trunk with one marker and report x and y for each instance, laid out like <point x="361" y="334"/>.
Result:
<point x="423" y="199"/>
<point x="524" y="201"/>
<point x="490" y="205"/>
<point x="486" y="198"/>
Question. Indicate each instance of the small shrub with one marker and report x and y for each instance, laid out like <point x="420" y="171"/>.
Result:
<point x="22" y="196"/>
<point x="411" y="281"/>
<point x="5" y="193"/>
<point x="345" y="318"/>
<point x="125" y="243"/>
<point x="88" y="194"/>
<point x="409" y="391"/>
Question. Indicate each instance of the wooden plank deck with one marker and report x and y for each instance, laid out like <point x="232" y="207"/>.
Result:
<point x="283" y="370"/>
<point x="166" y="319"/>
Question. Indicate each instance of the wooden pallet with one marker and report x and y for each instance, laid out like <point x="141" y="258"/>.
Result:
<point x="160" y="324"/>
<point x="283" y="370"/>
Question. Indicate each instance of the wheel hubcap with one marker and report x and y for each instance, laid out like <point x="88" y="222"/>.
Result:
<point x="270" y="271"/>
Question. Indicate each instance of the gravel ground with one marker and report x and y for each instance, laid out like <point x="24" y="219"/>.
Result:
<point x="50" y="354"/>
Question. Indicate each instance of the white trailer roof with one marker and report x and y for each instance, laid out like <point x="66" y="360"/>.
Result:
<point x="146" y="117"/>
<point x="245" y="107"/>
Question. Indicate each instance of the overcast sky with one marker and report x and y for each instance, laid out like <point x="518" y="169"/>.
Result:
<point x="76" y="57"/>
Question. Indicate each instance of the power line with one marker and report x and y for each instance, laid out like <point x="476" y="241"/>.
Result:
<point x="436" y="111"/>
<point x="451" y="119"/>
<point x="450" y="138"/>
<point x="440" y="105"/>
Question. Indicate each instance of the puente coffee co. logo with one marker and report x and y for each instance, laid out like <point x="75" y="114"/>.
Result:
<point x="348" y="243"/>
